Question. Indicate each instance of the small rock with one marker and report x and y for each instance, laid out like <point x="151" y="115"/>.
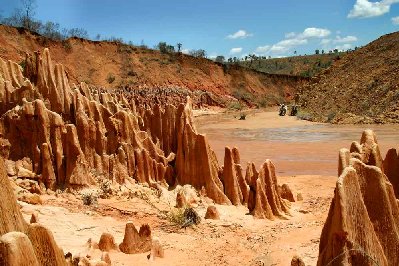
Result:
<point x="299" y="197"/>
<point x="31" y="198"/>
<point x="107" y="242"/>
<point x="34" y="218"/>
<point x="297" y="261"/>
<point x="212" y="213"/>
<point x="181" y="200"/>
<point x="156" y="249"/>
<point x="106" y="258"/>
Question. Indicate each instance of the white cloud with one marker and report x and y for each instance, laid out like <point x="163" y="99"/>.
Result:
<point x="292" y="42"/>
<point x="185" y="51"/>
<point x="262" y="49"/>
<point x="290" y="35"/>
<point x="241" y="34"/>
<point x="367" y="9"/>
<point x="236" y="50"/>
<point x="315" y="33"/>
<point x="395" y="20"/>
<point x="278" y="49"/>
<point x="343" y="47"/>
<point x="325" y="41"/>
<point x="346" y="39"/>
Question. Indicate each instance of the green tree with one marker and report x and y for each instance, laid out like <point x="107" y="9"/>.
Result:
<point x="220" y="59"/>
<point x="165" y="48"/>
<point x="200" y="53"/>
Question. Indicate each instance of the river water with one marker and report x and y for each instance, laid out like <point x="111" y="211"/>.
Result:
<point x="296" y="147"/>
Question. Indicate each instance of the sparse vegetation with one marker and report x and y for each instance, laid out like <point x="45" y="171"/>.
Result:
<point x="67" y="45"/>
<point x="304" y="115"/>
<point x="110" y="78"/>
<point x="306" y="66"/>
<point x="165" y="48"/>
<point x="200" y="53"/>
<point x="105" y="188"/>
<point x="184" y="217"/>
<point x="236" y="105"/>
<point x="89" y="197"/>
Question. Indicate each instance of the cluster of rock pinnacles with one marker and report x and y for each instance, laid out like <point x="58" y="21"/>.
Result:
<point x="362" y="227"/>
<point x="62" y="137"/>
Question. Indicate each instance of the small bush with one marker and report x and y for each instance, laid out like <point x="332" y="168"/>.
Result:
<point x="331" y="116"/>
<point x="105" y="188"/>
<point x="184" y="217"/>
<point x="22" y="64"/>
<point x="89" y="197"/>
<point x="234" y="106"/>
<point x="110" y="78"/>
<point x="303" y="115"/>
<point x="67" y="45"/>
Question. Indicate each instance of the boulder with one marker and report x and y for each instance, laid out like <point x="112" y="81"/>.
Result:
<point x="156" y="249"/>
<point x="212" y="213"/>
<point x="297" y="261"/>
<point x="107" y="242"/>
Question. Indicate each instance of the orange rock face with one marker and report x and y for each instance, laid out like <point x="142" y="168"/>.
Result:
<point x="363" y="222"/>
<point x="67" y="135"/>
<point x="20" y="243"/>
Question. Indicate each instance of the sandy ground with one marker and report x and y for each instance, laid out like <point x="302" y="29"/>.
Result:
<point x="305" y="155"/>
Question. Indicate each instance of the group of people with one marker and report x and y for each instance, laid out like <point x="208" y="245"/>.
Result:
<point x="284" y="108"/>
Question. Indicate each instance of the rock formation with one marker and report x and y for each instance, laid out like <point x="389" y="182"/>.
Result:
<point x="297" y="261"/>
<point x="286" y="193"/>
<point x="20" y="243"/>
<point x="264" y="200"/>
<point x="58" y="135"/>
<point x="212" y="213"/>
<point x="362" y="226"/>
<point x="181" y="200"/>
<point x="134" y="241"/>
<point x="107" y="242"/>
<point x="156" y="249"/>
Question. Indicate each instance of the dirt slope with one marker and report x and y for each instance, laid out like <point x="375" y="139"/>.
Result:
<point x="111" y="64"/>
<point x="362" y="87"/>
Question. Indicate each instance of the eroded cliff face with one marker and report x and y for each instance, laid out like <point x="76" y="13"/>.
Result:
<point x="22" y="243"/>
<point x="70" y="136"/>
<point x="362" y="226"/>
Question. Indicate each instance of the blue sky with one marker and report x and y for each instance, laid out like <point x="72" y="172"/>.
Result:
<point x="228" y="27"/>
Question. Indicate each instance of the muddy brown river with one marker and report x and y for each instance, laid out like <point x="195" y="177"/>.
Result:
<point x="296" y="147"/>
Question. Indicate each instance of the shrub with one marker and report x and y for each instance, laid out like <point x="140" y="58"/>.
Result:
<point x="303" y="115"/>
<point x="105" y="188"/>
<point x="184" y="217"/>
<point x="234" y="106"/>
<point x="67" y="45"/>
<point x="110" y="78"/>
<point x="165" y="48"/>
<point x="89" y="197"/>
